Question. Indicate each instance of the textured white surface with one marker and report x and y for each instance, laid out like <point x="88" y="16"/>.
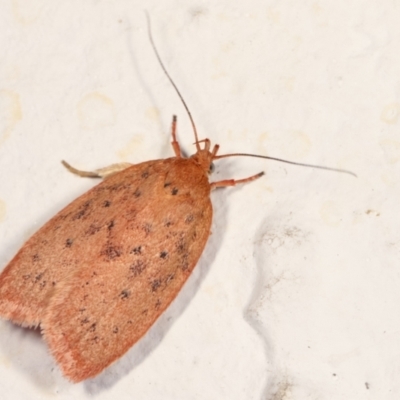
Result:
<point x="297" y="293"/>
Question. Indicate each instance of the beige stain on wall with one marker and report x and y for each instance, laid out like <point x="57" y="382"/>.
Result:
<point x="273" y="15"/>
<point x="131" y="148"/>
<point x="390" y="113"/>
<point x="153" y="113"/>
<point x="316" y="8"/>
<point x="10" y="113"/>
<point x="96" y="111"/>
<point x="390" y="178"/>
<point x="288" y="82"/>
<point x="391" y="149"/>
<point x="26" y="12"/>
<point x="330" y="214"/>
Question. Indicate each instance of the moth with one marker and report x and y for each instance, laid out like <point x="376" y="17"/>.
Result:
<point x="101" y="271"/>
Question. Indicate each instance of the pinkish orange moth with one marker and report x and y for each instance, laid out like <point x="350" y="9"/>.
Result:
<point x="101" y="271"/>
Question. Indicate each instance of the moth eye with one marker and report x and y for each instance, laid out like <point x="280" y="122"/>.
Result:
<point x="211" y="168"/>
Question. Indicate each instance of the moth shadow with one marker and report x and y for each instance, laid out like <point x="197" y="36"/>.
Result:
<point x="21" y="348"/>
<point x="155" y="335"/>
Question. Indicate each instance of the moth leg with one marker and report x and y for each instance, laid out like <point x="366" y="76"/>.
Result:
<point x="175" y="144"/>
<point x="234" y="182"/>
<point x="98" y="173"/>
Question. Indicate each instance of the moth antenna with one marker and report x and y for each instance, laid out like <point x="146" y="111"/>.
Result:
<point x="344" y="171"/>
<point x="194" y="125"/>
<point x="170" y="79"/>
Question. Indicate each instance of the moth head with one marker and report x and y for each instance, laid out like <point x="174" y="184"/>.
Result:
<point x="204" y="156"/>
